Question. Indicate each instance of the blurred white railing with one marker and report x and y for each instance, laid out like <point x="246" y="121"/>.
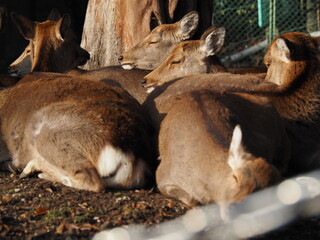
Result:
<point x="259" y="213"/>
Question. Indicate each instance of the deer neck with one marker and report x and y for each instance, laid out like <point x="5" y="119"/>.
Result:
<point x="3" y="97"/>
<point x="215" y="65"/>
<point x="300" y="100"/>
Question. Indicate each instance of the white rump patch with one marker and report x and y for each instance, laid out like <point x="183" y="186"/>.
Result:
<point x="127" y="66"/>
<point x="150" y="89"/>
<point x="37" y="128"/>
<point x="235" y="150"/>
<point x="116" y="164"/>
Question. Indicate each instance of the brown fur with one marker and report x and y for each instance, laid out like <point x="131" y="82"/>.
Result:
<point x="194" y="142"/>
<point x="196" y="57"/>
<point x="63" y="125"/>
<point x="292" y="86"/>
<point x="295" y="95"/>
<point x="53" y="44"/>
<point x="116" y="75"/>
<point x="153" y="49"/>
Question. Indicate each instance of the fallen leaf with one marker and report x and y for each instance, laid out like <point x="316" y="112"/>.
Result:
<point x="88" y="227"/>
<point x="60" y="228"/>
<point x="49" y="190"/>
<point x="171" y="204"/>
<point x="41" y="211"/>
<point x="6" y="199"/>
<point x="71" y="226"/>
<point x="6" y="227"/>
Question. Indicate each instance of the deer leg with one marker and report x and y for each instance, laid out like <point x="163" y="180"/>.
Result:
<point x="175" y="191"/>
<point x="86" y="178"/>
<point x="30" y="168"/>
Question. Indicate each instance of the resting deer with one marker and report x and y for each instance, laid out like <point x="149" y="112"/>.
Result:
<point x="292" y="85"/>
<point x="194" y="57"/>
<point x="154" y="48"/>
<point x="205" y="159"/>
<point x="59" y="40"/>
<point x="84" y="134"/>
<point x="188" y="58"/>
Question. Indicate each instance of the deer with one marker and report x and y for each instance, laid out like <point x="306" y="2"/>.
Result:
<point x="195" y="57"/>
<point x="219" y="147"/>
<point x="60" y="40"/>
<point x="190" y="58"/>
<point x="291" y="84"/>
<point x="81" y="133"/>
<point x="154" y="48"/>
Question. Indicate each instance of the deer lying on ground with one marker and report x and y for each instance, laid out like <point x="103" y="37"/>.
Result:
<point x="291" y="84"/>
<point x="116" y="75"/>
<point x="205" y="159"/>
<point x="84" y="134"/>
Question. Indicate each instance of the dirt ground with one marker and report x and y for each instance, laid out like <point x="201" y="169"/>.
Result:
<point x="32" y="208"/>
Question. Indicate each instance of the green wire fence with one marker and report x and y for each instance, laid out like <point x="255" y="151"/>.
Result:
<point x="252" y="24"/>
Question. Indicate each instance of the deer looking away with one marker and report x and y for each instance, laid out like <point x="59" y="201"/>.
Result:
<point x="220" y="147"/>
<point x="293" y="84"/>
<point x="129" y="80"/>
<point x="59" y="41"/>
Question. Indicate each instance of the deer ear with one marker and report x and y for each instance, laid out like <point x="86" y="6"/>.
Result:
<point x="26" y="26"/>
<point x="283" y="49"/>
<point x="236" y="150"/>
<point x="188" y="25"/>
<point x="214" y="41"/>
<point x="54" y="15"/>
<point x="63" y="26"/>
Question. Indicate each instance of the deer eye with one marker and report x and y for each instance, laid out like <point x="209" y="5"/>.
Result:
<point x="152" y="42"/>
<point x="235" y="178"/>
<point x="175" y="62"/>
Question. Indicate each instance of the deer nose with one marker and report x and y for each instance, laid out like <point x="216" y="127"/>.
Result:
<point x="120" y="58"/>
<point x="10" y="69"/>
<point x="143" y="82"/>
